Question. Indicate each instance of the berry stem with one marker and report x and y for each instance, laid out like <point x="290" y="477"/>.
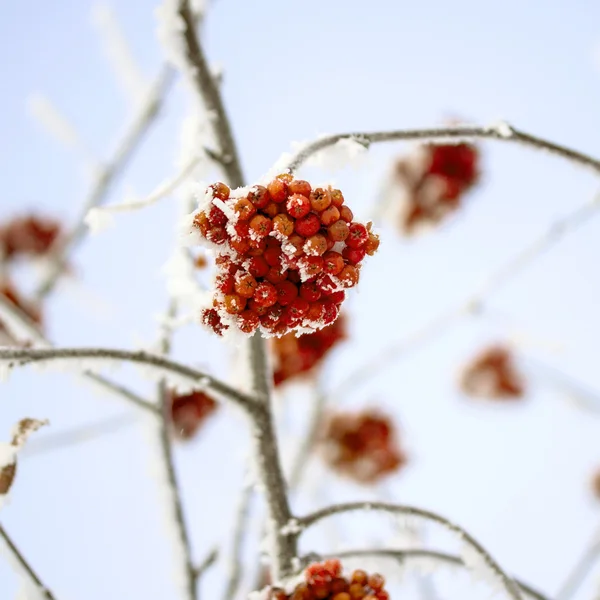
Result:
<point x="502" y="132"/>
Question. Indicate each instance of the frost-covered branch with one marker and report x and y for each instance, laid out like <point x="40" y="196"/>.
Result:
<point x="475" y="302"/>
<point x="208" y="89"/>
<point x="474" y="555"/>
<point x="500" y="131"/>
<point x="283" y="547"/>
<point x="209" y="560"/>
<point x="101" y="187"/>
<point x="416" y="555"/>
<point x="24" y="569"/>
<point x="580" y="571"/>
<point x="161" y="367"/>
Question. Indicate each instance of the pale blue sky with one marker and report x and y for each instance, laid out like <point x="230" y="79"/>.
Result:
<point x="516" y="477"/>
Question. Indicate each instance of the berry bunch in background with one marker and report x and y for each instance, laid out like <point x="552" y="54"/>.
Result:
<point x="493" y="374"/>
<point x="286" y="254"/>
<point x="189" y="412"/>
<point x="29" y="235"/>
<point x="432" y="182"/>
<point x="294" y="356"/>
<point x="362" y="446"/>
<point x="325" y="581"/>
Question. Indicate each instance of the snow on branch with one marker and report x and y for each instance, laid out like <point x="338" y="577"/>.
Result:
<point x="82" y="359"/>
<point x="119" y="54"/>
<point x="500" y="131"/>
<point x="32" y="586"/>
<point x="473" y="554"/>
<point x="420" y="557"/>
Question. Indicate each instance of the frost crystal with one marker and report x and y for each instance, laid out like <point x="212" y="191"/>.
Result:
<point x="503" y="129"/>
<point x="98" y="220"/>
<point x="291" y="527"/>
<point x="347" y="151"/>
<point x="480" y="567"/>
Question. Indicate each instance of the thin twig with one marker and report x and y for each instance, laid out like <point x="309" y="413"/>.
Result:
<point x="411" y="511"/>
<point x="107" y="176"/>
<point x="580" y="571"/>
<point x="283" y="549"/>
<point x="79" y="435"/>
<point x="24" y="356"/>
<point x="210" y="559"/>
<point x="240" y="527"/>
<point x="473" y="304"/>
<point x="501" y="131"/>
<point x="13" y="317"/>
<point x="406" y="555"/>
<point x="25" y="567"/>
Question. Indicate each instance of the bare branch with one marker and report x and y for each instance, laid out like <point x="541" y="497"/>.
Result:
<point x="24" y="356"/>
<point x="501" y="131"/>
<point x="474" y="304"/>
<point x="405" y="556"/>
<point x="508" y="584"/>
<point x="101" y="187"/>
<point x="580" y="571"/>
<point x="25" y="568"/>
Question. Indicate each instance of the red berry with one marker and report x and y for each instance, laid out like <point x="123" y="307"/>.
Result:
<point x="337" y="297"/>
<point x="273" y="315"/>
<point x="315" y="312"/>
<point x="310" y="266"/>
<point x="283" y="224"/>
<point x="273" y="256"/>
<point x="265" y="294"/>
<point x="333" y="262"/>
<point x="298" y="206"/>
<point x="299" y="307"/>
<point x="278" y="189"/>
<point x="327" y="285"/>
<point x="308" y="225"/>
<point x="258" y="266"/>
<point x="310" y="291"/>
<point x="225" y="283"/>
<point x="202" y="223"/>
<point x="248" y="321"/>
<point x="357" y="235"/>
<point x="320" y="199"/>
<point x="261" y="225"/>
<point x="245" y="285"/>
<point x="234" y="304"/>
<point x="297" y="241"/>
<point x="220" y="190"/>
<point x="330" y="312"/>
<point x="299" y="186"/>
<point x="339" y="231"/>
<point x="376" y="581"/>
<point x="354" y="255"/>
<point x="272" y="209"/>
<point x="259" y="196"/>
<point x="349" y="276"/>
<point x="210" y="317"/>
<point x="275" y="275"/>
<point x="346" y="214"/>
<point x="286" y="292"/>
<point x="330" y="215"/>
<point x="372" y="244"/>
<point x="259" y="309"/>
<point x="316" y="245"/>
<point x="217" y="235"/>
<point x="337" y="198"/>
<point x="244" y="209"/>
<point x="240" y="245"/>
<point x="217" y="217"/>
<point x="257" y="246"/>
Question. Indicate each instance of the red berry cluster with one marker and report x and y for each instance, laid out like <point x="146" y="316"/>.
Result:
<point x="189" y="412"/>
<point x="493" y="374"/>
<point x="324" y="581"/>
<point x="362" y="446"/>
<point x="286" y="253"/>
<point x="29" y="235"/>
<point x="434" y="181"/>
<point x="298" y="355"/>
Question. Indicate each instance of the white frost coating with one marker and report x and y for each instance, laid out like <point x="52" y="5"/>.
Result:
<point x="42" y="109"/>
<point x="5" y="370"/>
<point x="170" y="26"/>
<point x="346" y="152"/>
<point x="503" y="129"/>
<point x="291" y="527"/>
<point x="480" y="569"/>
<point x="98" y="220"/>
<point x="119" y="54"/>
<point x="157" y="471"/>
